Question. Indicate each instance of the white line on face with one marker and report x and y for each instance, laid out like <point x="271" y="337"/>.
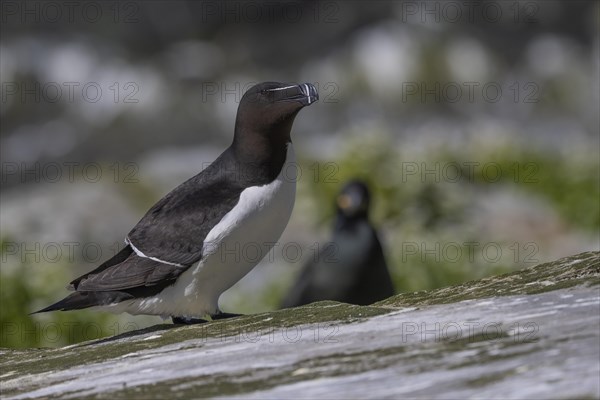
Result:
<point x="282" y="88"/>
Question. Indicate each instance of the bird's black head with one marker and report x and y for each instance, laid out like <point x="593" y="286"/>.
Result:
<point x="353" y="200"/>
<point x="269" y="108"/>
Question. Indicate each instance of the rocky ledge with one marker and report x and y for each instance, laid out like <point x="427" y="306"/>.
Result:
<point x="534" y="333"/>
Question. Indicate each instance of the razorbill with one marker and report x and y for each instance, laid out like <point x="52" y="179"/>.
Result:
<point x="351" y="268"/>
<point x="192" y="245"/>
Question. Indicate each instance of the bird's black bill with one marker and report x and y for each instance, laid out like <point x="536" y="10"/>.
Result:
<point x="305" y="93"/>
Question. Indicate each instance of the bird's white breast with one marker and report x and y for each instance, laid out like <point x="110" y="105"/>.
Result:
<point x="231" y="249"/>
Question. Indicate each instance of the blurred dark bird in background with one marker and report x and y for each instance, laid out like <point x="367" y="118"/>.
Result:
<point x="351" y="268"/>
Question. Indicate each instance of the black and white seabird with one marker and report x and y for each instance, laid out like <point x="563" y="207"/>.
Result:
<point x="351" y="268"/>
<point x="185" y="251"/>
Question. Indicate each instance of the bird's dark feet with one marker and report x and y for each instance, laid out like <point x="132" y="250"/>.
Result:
<point x="223" y="315"/>
<point x="187" y="321"/>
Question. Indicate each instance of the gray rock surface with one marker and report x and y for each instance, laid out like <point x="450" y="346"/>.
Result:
<point x="530" y="334"/>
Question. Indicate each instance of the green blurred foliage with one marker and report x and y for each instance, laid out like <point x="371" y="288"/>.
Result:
<point x="572" y="184"/>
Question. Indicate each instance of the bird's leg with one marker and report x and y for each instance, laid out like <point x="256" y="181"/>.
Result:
<point x="223" y="315"/>
<point x="187" y="321"/>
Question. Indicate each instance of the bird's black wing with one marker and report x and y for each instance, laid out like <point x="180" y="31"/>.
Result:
<point x="125" y="276"/>
<point x="171" y="234"/>
<point x="132" y="273"/>
<point x="174" y="229"/>
<point x="116" y="259"/>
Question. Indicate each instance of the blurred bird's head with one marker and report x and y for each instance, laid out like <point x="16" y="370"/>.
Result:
<point x="353" y="200"/>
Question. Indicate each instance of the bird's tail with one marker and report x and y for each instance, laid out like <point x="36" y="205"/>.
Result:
<point x="80" y="300"/>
